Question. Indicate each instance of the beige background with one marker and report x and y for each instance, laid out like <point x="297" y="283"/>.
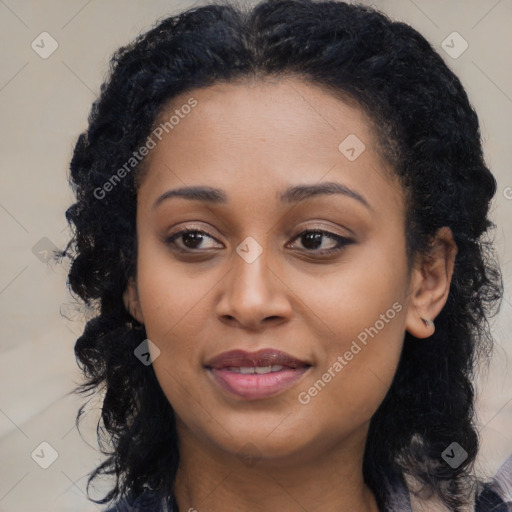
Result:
<point x="44" y="106"/>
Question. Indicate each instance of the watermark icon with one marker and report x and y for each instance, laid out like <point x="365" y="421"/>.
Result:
<point x="249" y="250"/>
<point x="351" y="147"/>
<point x="454" y="45"/>
<point x="304" y="397"/>
<point x="144" y="150"/>
<point x="44" y="45"/>
<point x="454" y="455"/>
<point x="44" y="455"/>
<point x="44" y="249"/>
<point x="507" y="192"/>
<point x="147" y="352"/>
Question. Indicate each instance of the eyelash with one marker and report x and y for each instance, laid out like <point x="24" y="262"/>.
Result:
<point x="341" y="240"/>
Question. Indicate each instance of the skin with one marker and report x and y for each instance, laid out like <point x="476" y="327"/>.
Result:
<point x="253" y="140"/>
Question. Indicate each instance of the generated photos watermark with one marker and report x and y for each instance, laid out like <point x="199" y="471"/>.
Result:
<point x="304" y="397"/>
<point x="144" y="150"/>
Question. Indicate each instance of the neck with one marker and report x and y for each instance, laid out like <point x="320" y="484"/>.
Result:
<point x="209" y="478"/>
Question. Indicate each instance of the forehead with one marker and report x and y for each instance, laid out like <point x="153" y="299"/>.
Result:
<point x="273" y="111"/>
<point x="265" y="134"/>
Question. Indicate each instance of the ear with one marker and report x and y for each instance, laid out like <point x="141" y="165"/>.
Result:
<point x="430" y="284"/>
<point x="131" y="300"/>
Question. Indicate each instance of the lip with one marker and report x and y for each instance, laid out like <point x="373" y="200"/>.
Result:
<point x="225" y="370"/>
<point x="263" y="357"/>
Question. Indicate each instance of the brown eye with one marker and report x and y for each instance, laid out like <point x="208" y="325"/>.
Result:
<point x="190" y="239"/>
<point x="312" y="240"/>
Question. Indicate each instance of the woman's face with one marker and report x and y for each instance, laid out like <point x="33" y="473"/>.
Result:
<point x="273" y="262"/>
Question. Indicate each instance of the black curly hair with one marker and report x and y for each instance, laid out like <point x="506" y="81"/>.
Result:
<point x="428" y="132"/>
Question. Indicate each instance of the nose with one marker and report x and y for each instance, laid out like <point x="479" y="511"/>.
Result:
<point x="254" y="294"/>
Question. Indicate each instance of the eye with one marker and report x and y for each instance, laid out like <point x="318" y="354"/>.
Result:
<point x="312" y="239"/>
<point x="191" y="240"/>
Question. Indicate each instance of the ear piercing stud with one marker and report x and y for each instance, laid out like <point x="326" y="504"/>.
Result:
<point x="428" y="323"/>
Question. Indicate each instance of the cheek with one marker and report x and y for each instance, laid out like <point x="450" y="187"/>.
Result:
<point x="174" y="319"/>
<point x="173" y="307"/>
<point x="359" y="363"/>
<point x="356" y="296"/>
<point x="170" y="292"/>
<point x="363" y="319"/>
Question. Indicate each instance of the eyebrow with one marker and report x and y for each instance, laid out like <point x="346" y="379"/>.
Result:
<point x="290" y="195"/>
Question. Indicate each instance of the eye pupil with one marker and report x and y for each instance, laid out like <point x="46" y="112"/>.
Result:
<point x="316" y="238"/>
<point x="194" y="236"/>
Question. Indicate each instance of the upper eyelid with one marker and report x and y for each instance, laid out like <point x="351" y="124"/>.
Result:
<point x="339" y="239"/>
<point x="190" y="230"/>
<point x="349" y="233"/>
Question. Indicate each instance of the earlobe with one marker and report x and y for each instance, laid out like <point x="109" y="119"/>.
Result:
<point x="428" y="323"/>
<point x="131" y="301"/>
<point x="430" y="284"/>
<point x="419" y="326"/>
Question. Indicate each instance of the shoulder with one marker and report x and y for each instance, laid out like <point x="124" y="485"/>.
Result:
<point x="493" y="496"/>
<point x="496" y="495"/>
<point x="148" y="501"/>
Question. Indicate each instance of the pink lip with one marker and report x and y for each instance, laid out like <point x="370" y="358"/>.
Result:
<point x="264" y="357"/>
<point x="256" y="386"/>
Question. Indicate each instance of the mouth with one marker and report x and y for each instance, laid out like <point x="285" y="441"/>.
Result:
<point x="260" y="370"/>
<point x="257" y="375"/>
